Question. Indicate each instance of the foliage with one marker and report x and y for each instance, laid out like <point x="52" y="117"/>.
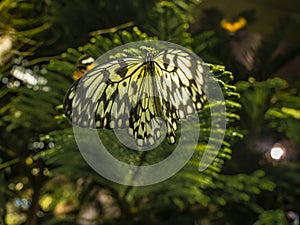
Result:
<point x="56" y="159"/>
<point x="21" y="23"/>
<point x="272" y="217"/>
<point x="45" y="180"/>
<point x="270" y="108"/>
<point x="169" y="20"/>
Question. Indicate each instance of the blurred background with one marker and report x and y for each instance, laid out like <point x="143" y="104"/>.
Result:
<point x="251" y="46"/>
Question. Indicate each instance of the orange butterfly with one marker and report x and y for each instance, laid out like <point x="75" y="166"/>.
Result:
<point x="85" y="63"/>
<point x="240" y="23"/>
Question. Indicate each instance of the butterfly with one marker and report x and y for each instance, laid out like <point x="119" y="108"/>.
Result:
<point x="85" y="63"/>
<point x="136" y="90"/>
<point x="240" y="23"/>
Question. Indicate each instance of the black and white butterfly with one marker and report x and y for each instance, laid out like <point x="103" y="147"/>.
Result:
<point x="134" y="92"/>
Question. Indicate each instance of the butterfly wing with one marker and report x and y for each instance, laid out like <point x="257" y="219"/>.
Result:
<point x="89" y="101"/>
<point x="181" y="79"/>
<point x="176" y="86"/>
<point x="116" y="94"/>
